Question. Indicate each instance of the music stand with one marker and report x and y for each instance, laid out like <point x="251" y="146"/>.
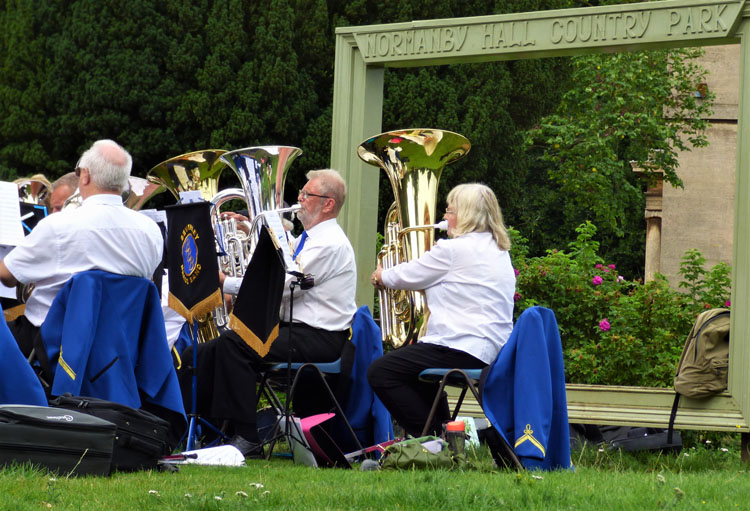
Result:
<point x="303" y="282"/>
<point x="194" y="416"/>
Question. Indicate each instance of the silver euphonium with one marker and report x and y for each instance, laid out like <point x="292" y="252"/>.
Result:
<point x="413" y="161"/>
<point x="34" y="190"/>
<point x="262" y="173"/>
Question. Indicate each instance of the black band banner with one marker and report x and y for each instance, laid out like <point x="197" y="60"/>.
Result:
<point x="255" y="317"/>
<point x="194" y="288"/>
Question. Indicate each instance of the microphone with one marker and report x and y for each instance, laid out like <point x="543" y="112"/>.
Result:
<point x="304" y="280"/>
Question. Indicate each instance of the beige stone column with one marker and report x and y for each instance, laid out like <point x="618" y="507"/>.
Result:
<point x="653" y="224"/>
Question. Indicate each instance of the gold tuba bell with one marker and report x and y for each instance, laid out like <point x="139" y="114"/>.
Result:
<point x="194" y="171"/>
<point x="413" y="161"/>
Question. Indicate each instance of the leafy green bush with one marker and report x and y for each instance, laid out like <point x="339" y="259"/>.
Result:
<point x="615" y="331"/>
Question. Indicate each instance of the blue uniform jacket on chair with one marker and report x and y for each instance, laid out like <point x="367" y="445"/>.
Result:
<point x="109" y="333"/>
<point x="367" y="415"/>
<point x="524" y="393"/>
<point x="18" y="383"/>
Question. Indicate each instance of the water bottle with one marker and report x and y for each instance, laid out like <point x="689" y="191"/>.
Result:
<point x="456" y="437"/>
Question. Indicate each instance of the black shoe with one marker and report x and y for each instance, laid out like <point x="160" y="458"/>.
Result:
<point x="246" y="447"/>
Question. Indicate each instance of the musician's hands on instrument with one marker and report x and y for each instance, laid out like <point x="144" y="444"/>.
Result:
<point x="376" y="277"/>
<point x="243" y="223"/>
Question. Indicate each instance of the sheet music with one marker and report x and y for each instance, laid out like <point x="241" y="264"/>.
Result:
<point x="275" y="225"/>
<point x="157" y="215"/>
<point x="11" y="230"/>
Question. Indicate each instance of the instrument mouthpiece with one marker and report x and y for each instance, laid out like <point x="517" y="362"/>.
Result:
<point x="443" y="226"/>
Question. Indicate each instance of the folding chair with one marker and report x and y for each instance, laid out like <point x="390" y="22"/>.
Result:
<point x="465" y="379"/>
<point x="272" y="377"/>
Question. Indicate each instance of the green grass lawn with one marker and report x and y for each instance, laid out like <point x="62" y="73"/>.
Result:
<point x="698" y="478"/>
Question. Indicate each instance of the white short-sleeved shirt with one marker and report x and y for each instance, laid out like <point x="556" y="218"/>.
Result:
<point x="101" y="234"/>
<point x="469" y="284"/>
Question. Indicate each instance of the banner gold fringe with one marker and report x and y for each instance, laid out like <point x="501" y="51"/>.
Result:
<point x="252" y="340"/>
<point x="200" y="309"/>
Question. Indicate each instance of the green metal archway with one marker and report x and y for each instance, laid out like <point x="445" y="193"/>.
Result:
<point x="362" y="54"/>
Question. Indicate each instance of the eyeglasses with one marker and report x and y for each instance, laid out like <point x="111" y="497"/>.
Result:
<point x="305" y="194"/>
<point x="78" y="171"/>
<point x="449" y="211"/>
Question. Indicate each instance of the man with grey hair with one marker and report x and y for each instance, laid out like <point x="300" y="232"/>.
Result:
<point x="62" y="189"/>
<point x="101" y="234"/>
<point x="227" y="368"/>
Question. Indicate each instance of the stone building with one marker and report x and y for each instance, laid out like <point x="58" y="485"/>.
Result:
<point x="701" y="214"/>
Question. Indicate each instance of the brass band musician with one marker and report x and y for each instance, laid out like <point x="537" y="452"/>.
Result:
<point x="227" y="368"/>
<point x="469" y="284"/>
<point x="62" y="188"/>
<point x="101" y="234"/>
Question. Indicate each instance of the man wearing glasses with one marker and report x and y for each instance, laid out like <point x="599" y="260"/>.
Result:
<point x="227" y="367"/>
<point x="100" y="234"/>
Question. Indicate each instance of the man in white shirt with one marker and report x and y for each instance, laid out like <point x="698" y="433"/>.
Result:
<point x="227" y="368"/>
<point x="101" y="234"/>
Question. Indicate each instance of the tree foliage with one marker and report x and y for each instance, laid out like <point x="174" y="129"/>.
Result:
<point x="627" y="107"/>
<point x="174" y="76"/>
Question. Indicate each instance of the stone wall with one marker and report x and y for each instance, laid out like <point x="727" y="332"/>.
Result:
<point x="701" y="215"/>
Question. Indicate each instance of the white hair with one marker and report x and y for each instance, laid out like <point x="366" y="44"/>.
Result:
<point x="109" y="165"/>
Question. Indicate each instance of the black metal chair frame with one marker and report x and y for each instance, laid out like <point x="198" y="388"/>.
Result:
<point x="459" y="378"/>
<point x="265" y="388"/>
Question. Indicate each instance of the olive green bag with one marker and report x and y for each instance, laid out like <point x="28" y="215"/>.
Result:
<point x="423" y="452"/>
<point x="704" y="364"/>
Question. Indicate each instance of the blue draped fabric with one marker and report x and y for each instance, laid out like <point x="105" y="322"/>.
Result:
<point x="366" y="413"/>
<point x="18" y="383"/>
<point x="105" y="338"/>
<point x="524" y="393"/>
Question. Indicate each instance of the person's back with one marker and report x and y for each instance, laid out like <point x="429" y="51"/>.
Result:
<point x="102" y="234"/>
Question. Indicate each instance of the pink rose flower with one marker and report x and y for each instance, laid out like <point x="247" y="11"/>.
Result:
<point x="728" y="303"/>
<point x="516" y="272"/>
<point x="597" y="280"/>
<point x="598" y="266"/>
<point x="516" y="297"/>
<point x="604" y="325"/>
<point x="611" y="266"/>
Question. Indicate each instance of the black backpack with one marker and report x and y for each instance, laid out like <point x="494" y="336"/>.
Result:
<point x="704" y="364"/>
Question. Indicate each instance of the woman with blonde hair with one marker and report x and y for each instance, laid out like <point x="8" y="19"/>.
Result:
<point x="469" y="283"/>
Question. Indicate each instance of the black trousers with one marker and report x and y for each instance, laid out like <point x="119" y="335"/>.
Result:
<point x="25" y="334"/>
<point x="394" y="378"/>
<point x="227" y="371"/>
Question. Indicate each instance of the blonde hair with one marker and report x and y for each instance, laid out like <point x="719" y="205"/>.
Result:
<point x="477" y="210"/>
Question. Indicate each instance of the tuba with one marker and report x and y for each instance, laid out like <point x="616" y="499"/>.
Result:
<point x="199" y="170"/>
<point x="262" y="173"/>
<point x="413" y="161"/>
<point x="195" y="171"/>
